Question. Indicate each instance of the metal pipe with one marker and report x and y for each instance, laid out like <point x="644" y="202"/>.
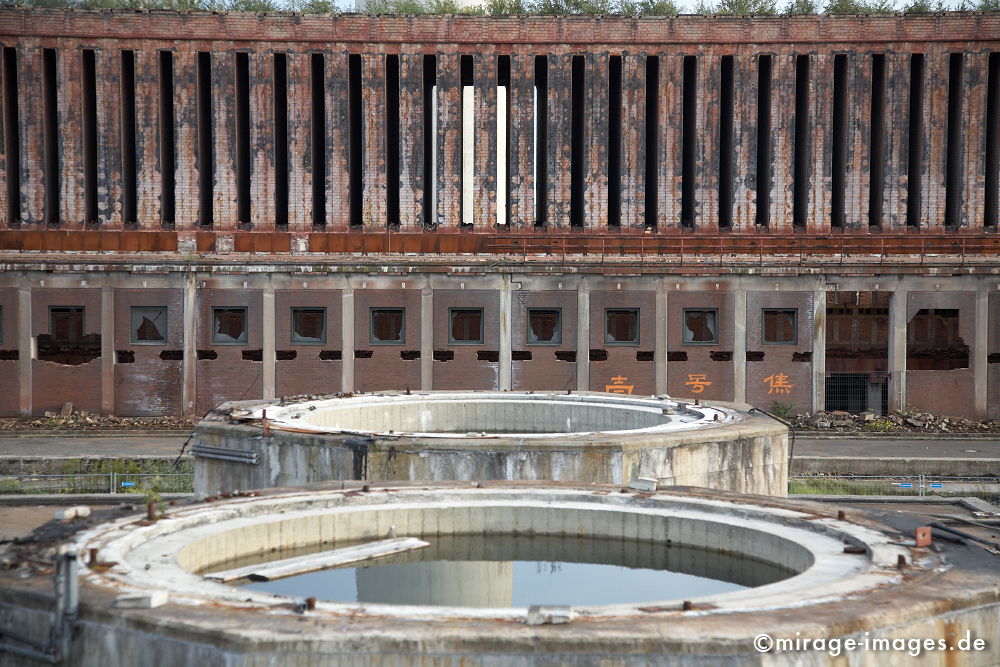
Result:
<point x="791" y="445"/>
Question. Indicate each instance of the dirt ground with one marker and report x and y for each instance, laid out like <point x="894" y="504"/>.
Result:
<point x="19" y="521"/>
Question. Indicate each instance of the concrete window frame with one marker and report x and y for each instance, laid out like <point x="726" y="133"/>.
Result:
<point x="529" y="332"/>
<point x="375" y="311"/>
<point x="764" y="312"/>
<point x="635" y="312"/>
<point x="57" y="310"/>
<point x="159" y="320"/>
<point x="216" y="335"/>
<point x="452" y="312"/>
<point x="298" y="339"/>
<point x="712" y="323"/>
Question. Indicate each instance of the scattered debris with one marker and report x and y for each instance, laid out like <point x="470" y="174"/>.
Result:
<point x="77" y="420"/>
<point x="898" y="422"/>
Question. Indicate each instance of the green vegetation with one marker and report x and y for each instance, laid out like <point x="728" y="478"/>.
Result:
<point x="880" y="425"/>
<point x="535" y="7"/>
<point x="838" y="486"/>
<point x="783" y="410"/>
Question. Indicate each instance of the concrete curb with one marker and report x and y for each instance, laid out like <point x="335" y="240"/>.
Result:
<point x="60" y="499"/>
<point x="119" y="433"/>
<point x="901" y="465"/>
<point x="916" y="435"/>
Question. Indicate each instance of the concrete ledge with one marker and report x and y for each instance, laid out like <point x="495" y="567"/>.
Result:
<point x="861" y="465"/>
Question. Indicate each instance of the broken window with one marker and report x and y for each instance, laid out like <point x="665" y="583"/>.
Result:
<point x="149" y="325"/>
<point x="230" y="326"/>
<point x="466" y="325"/>
<point x="933" y="342"/>
<point x="66" y="343"/>
<point x="700" y="326"/>
<point x="621" y="326"/>
<point x="544" y="326"/>
<point x="66" y="323"/>
<point x="309" y="326"/>
<point x="387" y="326"/>
<point x="780" y="326"/>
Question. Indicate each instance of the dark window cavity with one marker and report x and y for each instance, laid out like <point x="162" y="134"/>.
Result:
<point x="614" y="141"/>
<point x="206" y="160"/>
<point x="763" y="140"/>
<point x="465" y="326"/>
<point x="129" y="176"/>
<point x="544" y="326"/>
<point x="652" y="138"/>
<point x="990" y="204"/>
<point x="89" y="108"/>
<point x="167" y="148"/>
<point x="838" y="179"/>
<point x="621" y="326"/>
<point x="576" y="150"/>
<point x="318" y="127"/>
<point x="800" y="170"/>
<point x="66" y="323"/>
<point x="392" y="140"/>
<point x="356" y="127"/>
<point x="243" y="138"/>
<point x="149" y="325"/>
<point x="915" y="141"/>
<point x="430" y="141"/>
<point x="779" y="326"/>
<point x="50" y="123"/>
<point x="701" y="326"/>
<point x="229" y="326"/>
<point x="726" y="98"/>
<point x="541" y="139"/>
<point x="281" y="140"/>
<point x="11" y="138"/>
<point x="876" y="156"/>
<point x="388" y="326"/>
<point x="689" y="134"/>
<point x="953" y="160"/>
<point x="308" y="326"/>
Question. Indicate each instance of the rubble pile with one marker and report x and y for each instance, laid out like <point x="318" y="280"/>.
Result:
<point x="898" y="422"/>
<point x="68" y="419"/>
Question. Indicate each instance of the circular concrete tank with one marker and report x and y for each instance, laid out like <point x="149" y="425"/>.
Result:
<point x="586" y="436"/>
<point x="851" y="578"/>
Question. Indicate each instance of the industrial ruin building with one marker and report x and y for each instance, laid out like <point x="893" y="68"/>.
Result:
<point x="201" y="207"/>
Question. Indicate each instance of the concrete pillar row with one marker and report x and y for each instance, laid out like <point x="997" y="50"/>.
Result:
<point x="189" y="390"/>
<point x="897" y="350"/>
<point x="506" y="334"/>
<point x="819" y="350"/>
<point x="426" y="337"/>
<point x="26" y="350"/>
<point x="107" y="350"/>
<point x="347" y="338"/>
<point x="740" y="346"/>
<point x="583" y="336"/>
<point x="980" y="352"/>
<point x="660" y="311"/>
<point x="269" y="355"/>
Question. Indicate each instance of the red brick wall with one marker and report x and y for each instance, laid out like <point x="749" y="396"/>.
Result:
<point x="54" y="384"/>
<point x="944" y="392"/>
<point x="543" y="370"/>
<point x="622" y="362"/>
<point x="150" y="385"/>
<point x="229" y="377"/>
<point x="307" y="373"/>
<point x="699" y="361"/>
<point x="465" y="371"/>
<point x="779" y="377"/>
<point x="9" y="385"/>
<point x="386" y="369"/>
<point x="993" y="370"/>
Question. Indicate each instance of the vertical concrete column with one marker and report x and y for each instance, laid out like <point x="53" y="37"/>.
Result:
<point x="745" y="142"/>
<point x="373" y="111"/>
<point x="560" y="138"/>
<point x="347" y="338"/>
<point x="149" y="181"/>
<point x="338" y="144"/>
<point x="69" y="96"/>
<point x="897" y="349"/>
<point x="224" y="211"/>
<point x="426" y="338"/>
<point x="300" y="144"/>
<point x="782" y="136"/>
<point x="660" y="343"/>
<point x="707" y="161"/>
<point x="633" y="153"/>
<point x="449" y="140"/>
<point x="668" y="154"/>
<point x="107" y="350"/>
<point x="980" y="351"/>
<point x="583" y="336"/>
<point x="262" y="176"/>
<point x="186" y="186"/>
<point x="974" y="80"/>
<point x="29" y="91"/>
<point x="107" y="63"/>
<point x="897" y="112"/>
<point x="485" y="124"/>
<point x="189" y="389"/>
<point x="819" y="349"/>
<point x="25" y="350"/>
<point x="821" y="141"/>
<point x="267" y="342"/>
<point x="859" y="111"/>
<point x="595" y="141"/>
<point x="740" y="345"/>
<point x="935" y="140"/>
<point x="411" y="140"/>
<point x="521" y="165"/>
<point x="506" y="331"/>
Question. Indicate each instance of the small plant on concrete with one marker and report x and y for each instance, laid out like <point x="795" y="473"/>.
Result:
<point x="880" y="425"/>
<point x="783" y="410"/>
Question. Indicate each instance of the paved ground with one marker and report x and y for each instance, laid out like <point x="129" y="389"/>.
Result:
<point x="924" y="449"/>
<point x="101" y="446"/>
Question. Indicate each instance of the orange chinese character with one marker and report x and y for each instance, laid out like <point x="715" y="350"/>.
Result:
<point x="697" y="383"/>
<point x="618" y="385"/>
<point x="778" y="383"/>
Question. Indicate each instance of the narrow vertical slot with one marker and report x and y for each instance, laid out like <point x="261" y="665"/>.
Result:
<point x="89" y="109"/>
<point x="726" y="98"/>
<point x="689" y="128"/>
<point x="652" y="170"/>
<point x="467" y="85"/>
<point x="503" y="139"/>
<point x="953" y="159"/>
<point x="800" y="168"/>
<point x="129" y="176"/>
<point x="541" y="139"/>
<point x="392" y="140"/>
<point x="430" y="140"/>
<point x="167" y="147"/>
<point x="280" y="83"/>
<point x="838" y="178"/>
<point x="576" y="142"/>
<point x="206" y="160"/>
<point x="11" y="139"/>
<point x="243" y="138"/>
<point x="915" y="141"/>
<point x="876" y="146"/>
<point x="614" y="141"/>
<point x="763" y="141"/>
<point x="990" y="205"/>
<point x="317" y="126"/>
<point x="357" y="129"/>
<point x="50" y="121"/>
